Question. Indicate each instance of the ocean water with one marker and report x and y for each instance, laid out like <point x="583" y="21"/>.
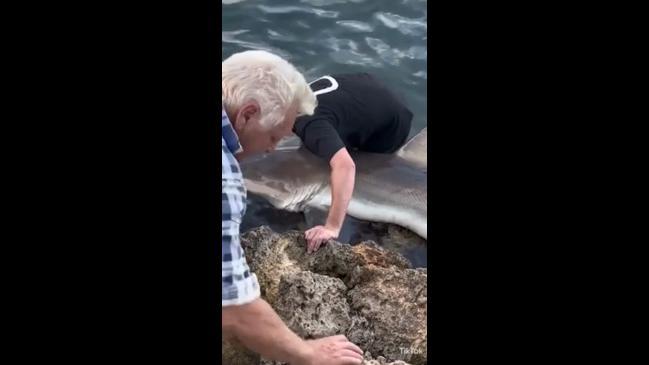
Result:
<point x="384" y="37"/>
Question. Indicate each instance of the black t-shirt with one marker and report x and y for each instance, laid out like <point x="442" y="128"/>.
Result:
<point x="354" y="111"/>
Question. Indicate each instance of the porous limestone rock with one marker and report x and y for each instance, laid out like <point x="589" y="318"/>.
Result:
<point x="365" y="292"/>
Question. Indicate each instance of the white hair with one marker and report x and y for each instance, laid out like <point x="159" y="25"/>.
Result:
<point x="268" y="79"/>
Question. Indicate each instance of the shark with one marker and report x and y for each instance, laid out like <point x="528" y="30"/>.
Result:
<point x="389" y="188"/>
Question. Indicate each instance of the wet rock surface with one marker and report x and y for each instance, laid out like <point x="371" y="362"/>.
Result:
<point x="368" y="293"/>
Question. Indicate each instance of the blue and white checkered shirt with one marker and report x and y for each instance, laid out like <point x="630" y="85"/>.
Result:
<point x="238" y="284"/>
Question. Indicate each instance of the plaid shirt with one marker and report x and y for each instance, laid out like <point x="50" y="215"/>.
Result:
<point x="238" y="284"/>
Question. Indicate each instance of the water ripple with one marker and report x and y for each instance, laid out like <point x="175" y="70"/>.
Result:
<point x="356" y="25"/>
<point x="417" y="53"/>
<point x="282" y="37"/>
<point x="329" y="2"/>
<point x="338" y="44"/>
<point x="421" y="74"/>
<point x="393" y="55"/>
<point x="406" y="26"/>
<point x="230" y="37"/>
<point x="230" y="34"/>
<point x="293" y="9"/>
<point x="349" y="57"/>
<point x="303" y="24"/>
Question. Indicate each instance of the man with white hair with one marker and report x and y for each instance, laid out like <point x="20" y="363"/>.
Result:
<point x="261" y="96"/>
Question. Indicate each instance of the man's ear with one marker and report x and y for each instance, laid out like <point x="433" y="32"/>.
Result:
<point x="248" y="111"/>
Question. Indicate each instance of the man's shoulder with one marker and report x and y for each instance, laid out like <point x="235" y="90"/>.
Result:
<point x="233" y="189"/>
<point x="321" y="118"/>
<point x="229" y="164"/>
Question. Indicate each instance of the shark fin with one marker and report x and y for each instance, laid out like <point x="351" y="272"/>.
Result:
<point x="415" y="151"/>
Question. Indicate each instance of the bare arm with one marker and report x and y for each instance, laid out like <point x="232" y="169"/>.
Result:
<point x="343" y="173"/>
<point x="259" y="328"/>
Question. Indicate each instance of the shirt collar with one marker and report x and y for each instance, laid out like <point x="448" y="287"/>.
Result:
<point x="229" y="135"/>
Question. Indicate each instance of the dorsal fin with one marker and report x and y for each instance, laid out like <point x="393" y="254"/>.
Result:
<point x="416" y="150"/>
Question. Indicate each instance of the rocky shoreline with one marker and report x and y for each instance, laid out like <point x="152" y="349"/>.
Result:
<point x="370" y="294"/>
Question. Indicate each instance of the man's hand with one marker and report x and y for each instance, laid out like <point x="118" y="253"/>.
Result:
<point x="334" y="350"/>
<point x="258" y="327"/>
<point x="318" y="235"/>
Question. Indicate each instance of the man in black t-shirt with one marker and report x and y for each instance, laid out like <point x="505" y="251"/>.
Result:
<point x="354" y="112"/>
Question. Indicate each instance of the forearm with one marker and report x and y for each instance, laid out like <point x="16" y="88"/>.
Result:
<point x="260" y="329"/>
<point x="342" y="188"/>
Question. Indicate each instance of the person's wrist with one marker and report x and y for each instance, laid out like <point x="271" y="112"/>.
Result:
<point x="335" y="228"/>
<point x="303" y="355"/>
<point x="333" y="223"/>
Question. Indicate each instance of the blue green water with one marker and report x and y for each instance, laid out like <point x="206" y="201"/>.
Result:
<point x="383" y="37"/>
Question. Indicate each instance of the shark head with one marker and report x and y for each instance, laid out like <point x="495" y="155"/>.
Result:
<point x="288" y="178"/>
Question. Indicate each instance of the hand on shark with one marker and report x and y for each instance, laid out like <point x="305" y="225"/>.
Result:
<point x="318" y="235"/>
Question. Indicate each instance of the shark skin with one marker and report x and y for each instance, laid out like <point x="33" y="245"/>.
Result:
<point x="389" y="188"/>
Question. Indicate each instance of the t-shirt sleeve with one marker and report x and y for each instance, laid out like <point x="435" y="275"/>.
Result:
<point x="319" y="137"/>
